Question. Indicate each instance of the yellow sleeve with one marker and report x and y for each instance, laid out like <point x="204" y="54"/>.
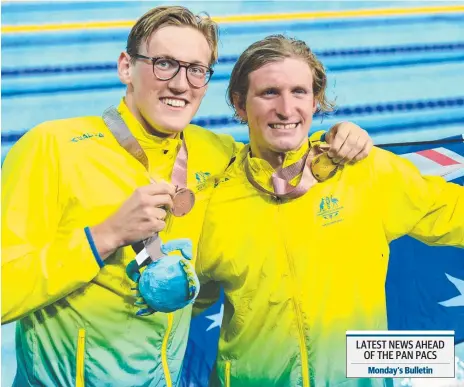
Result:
<point x="42" y="260"/>
<point x="427" y="208"/>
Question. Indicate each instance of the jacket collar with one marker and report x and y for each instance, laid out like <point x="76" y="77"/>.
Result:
<point x="145" y="139"/>
<point x="262" y="171"/>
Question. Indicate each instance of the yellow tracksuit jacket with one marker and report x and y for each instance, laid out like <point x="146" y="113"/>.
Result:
<point x="298" y="274"/>
<point x="76" y="320"/>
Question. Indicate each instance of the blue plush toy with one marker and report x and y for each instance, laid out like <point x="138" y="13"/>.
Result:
<point x="167" y="284"/>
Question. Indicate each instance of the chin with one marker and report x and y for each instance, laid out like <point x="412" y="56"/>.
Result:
<point x="285" y="147"/>
<point x="284" y="143"/>
<point x="173" y="127"/>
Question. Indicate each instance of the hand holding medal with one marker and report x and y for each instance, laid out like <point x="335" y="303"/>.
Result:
<point x="164" y="282"/>
<point x="169" y="282"/>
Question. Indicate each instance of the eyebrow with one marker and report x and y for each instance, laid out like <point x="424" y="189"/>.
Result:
<point x="264" y="87"/>
<point x="267" y="87"/>
<point x="171" y="57"/>
<point x="302" y="86"/>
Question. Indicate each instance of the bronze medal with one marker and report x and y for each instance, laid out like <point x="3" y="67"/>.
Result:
<point x="184" y="198"/>
<point x="183" y="202"/>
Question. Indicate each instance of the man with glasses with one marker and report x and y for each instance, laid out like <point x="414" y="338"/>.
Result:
<point x="77" y="193"/>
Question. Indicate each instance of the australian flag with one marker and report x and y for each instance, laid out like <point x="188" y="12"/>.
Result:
<point x="424" y="286"/>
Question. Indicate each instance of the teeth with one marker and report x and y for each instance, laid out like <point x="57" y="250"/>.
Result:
<point x="173" y="102"/>
<point x="282" y="126"/>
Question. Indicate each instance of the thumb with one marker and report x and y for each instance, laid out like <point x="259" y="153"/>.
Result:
<point x="332" y="132"/>
<point x="183" y="244"/>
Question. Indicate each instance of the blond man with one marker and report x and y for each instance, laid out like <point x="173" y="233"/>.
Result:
<point x="301" y="261"/>
<point x="74" y="200"/>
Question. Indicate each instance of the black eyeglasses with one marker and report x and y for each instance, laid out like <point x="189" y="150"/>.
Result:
<point x="167" y="68"/>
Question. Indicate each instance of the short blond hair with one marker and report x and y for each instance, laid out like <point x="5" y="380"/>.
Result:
<point x="275" y="48"/>
<point x="172" y="16"/>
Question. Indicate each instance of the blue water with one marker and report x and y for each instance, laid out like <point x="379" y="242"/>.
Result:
<point x="373" y="64"/>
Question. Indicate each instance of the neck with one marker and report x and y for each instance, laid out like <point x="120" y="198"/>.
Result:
<point x="148" y="128"/>
<point x="275" y="159"/>
<point x="153" y="131"/>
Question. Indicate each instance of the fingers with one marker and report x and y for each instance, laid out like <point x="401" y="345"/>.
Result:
<point x="349" y="143"/>
<point x="349" y="149"/>
<point x="337" y="141"/>
<point x="149" y="220"/>
<point x="159" y="213"/>
<point x="143" y="214"/>
<point x="332" y="132"/>
<point x="161" y="201"/>
<point x="366" y="149"/>
<point x="146" y="229"/>
<point x="360" y="150"/>
<point x="343" y="151"/>
<point x="146" y="199"/>
<point x="160" y="189"/>
<point x="184" y="245"/>
<point x="153" y="226"/>
<point x="152" y="214"/>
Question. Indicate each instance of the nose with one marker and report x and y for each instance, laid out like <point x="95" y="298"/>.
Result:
<point x="179" y="84"/>
<point x="284" y="107"/>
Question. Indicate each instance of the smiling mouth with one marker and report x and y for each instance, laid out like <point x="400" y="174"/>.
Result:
<point x="174" y="102"/>
<point x="284" y="126"/>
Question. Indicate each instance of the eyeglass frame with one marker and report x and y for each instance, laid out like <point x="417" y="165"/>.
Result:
<point x="153" y="59"/>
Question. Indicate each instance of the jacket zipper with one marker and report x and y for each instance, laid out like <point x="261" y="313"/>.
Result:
<point x="80" y="355"/>
<point x="227" y="374"/>
<point x="301" y="336"/>
<point x="164" y="351"/>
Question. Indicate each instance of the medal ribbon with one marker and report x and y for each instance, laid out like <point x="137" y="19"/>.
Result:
<point x="282" y="177"/>
<point x="123" y="135"/>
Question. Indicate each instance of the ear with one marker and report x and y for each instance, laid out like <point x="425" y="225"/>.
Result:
<point x="314" y="105"/>
<point x="124" y="68"/>
<point x="239" y="106"/>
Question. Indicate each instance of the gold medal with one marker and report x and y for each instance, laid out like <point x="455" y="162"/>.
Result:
<point x="322" y="167"/>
